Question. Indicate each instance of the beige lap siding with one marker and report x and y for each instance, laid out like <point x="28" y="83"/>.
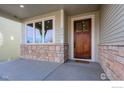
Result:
<point x="111" y="58"/>
<point x="51" y="53"/>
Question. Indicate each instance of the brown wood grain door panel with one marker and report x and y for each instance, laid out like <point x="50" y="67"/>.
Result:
<point x="82" y="39"/>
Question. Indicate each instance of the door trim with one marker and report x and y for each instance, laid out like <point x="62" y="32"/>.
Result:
<point x="92" y="36"/>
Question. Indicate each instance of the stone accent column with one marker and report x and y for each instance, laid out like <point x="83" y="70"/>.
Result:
<point x="111" y="58"/>
<point x="45" y="52"/>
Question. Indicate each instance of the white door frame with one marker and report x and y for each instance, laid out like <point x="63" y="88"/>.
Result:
<point x="92" y="35"/>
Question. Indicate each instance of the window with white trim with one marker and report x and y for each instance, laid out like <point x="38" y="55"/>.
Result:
<point x="29" y="33"/>
<point x="40" y="31"/>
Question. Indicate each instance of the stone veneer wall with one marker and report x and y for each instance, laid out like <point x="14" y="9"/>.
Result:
<point x="111" y="58"/>
<point x="45" y="52"/>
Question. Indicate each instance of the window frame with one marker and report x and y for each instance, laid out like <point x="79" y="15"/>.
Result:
<point x="40" y="20"/>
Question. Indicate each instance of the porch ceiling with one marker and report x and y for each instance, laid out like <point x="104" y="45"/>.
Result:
<point x="30" y="10"/>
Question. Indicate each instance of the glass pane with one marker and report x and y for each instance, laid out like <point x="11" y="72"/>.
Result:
<point x="29" y="31"/>
<point x="85" y="25"/>
<point x="38" y="32"/>
<point x="48" y="35"/>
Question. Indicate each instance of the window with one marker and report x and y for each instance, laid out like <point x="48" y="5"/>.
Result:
<point x="29" y="31"/>
<point x="48" y="31"/>
<point x="40" y="32"/>
<point x="85" y="25"/>
<point x="82" y="25"/>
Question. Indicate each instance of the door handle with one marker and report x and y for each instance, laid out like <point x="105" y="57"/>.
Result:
<point x="74" y="44"/>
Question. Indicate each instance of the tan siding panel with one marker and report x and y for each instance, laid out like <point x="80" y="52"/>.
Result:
<point x="112" y="24"/>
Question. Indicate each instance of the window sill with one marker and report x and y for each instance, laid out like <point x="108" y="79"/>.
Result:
<point x="45" y="44"/>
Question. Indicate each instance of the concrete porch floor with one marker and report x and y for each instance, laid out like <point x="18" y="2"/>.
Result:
<point x="72" y="70"/>
<point x="23" y="69"/>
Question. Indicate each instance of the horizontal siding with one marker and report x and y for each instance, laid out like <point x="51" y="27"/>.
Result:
<point x="112" y="24"/>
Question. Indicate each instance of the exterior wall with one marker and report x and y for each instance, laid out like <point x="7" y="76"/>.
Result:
<point x="52" y="52"/>
<point x="112" y="24"/>
<point x="55" y="52"/>
<point x="65" y="28"/>
<point x="96" y="33"/>
<point x="112" y="60"/>
<point x="111" y="46"/>
<point x="10" y="49"/>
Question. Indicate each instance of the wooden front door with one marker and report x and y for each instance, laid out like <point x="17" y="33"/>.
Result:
<point x="82" y="39"/>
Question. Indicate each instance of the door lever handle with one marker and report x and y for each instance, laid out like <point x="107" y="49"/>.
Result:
<point x="74" y="44"/>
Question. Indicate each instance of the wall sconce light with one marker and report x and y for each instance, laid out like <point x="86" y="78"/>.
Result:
<point x="1" y="39"/>
<point x="11" y="38"/>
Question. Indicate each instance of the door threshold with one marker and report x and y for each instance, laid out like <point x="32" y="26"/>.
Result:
<point x="81" y="61"/>
<point x="90" y="60"/>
